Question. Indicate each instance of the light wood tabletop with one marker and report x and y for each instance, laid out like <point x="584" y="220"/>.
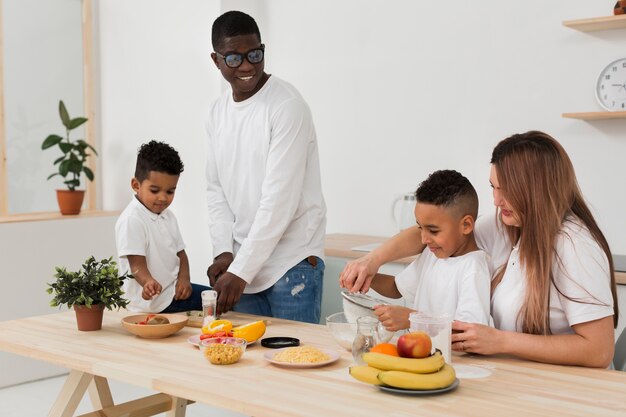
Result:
<point x="257" y="388"/>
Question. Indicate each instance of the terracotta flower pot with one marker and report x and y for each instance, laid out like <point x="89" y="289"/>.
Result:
<point x="70" y="202"/>
<point x="89" y="319"/>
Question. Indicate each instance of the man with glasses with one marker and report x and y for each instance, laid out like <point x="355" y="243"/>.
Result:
<point x="267" y="215"/>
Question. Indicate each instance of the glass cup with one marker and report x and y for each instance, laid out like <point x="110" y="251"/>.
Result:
<point x="209" y="304"/>
<point x="367" y="336"/>
<point x="436" y="325"/>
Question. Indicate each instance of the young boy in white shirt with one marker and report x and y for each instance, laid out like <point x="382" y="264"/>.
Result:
<point x="149" y="243"/>
<point x="451" y="275"/>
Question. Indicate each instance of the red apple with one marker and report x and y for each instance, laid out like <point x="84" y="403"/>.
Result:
<point x="414" y="345"/>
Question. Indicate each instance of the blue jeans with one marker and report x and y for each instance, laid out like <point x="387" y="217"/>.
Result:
<point x="296" y="296"/>
<point x="194" y="302"/>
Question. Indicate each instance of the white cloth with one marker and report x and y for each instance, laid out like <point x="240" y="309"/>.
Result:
<point x="582" y="274"/>
<point x="139" y="231"/>
<point x="458" y="286"/>
<point x="264" y="190"/>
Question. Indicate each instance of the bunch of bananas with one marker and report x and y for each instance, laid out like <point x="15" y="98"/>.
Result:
<point x="408" y="373"/>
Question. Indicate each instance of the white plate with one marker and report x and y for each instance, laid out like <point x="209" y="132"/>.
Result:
<point x="420" y="391"/>
<point x="195" y="340"/>
<point x="334" y="355"/>
<point x="470" y="372"/>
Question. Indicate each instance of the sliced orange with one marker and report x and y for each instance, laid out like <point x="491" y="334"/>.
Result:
<point x="217" y="326"/>
<point x="250" y="331"/>
<point x="385" y="348"/>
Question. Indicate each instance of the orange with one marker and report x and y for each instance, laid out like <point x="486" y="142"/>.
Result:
<point x="385" y="348"/>
<point x="251" y="331"/>
<point x="216" y="326"/>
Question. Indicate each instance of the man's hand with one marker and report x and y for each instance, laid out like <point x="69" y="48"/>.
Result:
<point x="220" y="266"/>
<point x="183" y="290"/>
<point x="229" y="289"/>
<point x="151" y="289"/>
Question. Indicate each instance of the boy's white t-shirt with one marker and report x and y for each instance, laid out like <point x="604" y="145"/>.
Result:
<point x="458" y="286"/>
<point x="139" y="231"/>
<point x="582" y="274"/>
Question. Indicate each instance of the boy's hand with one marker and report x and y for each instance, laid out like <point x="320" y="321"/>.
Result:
<point x="220" y="266"/>
<point x="229" y="289"/>
<point x="183" y="290"/>
<point x="394" y="318"/>
<point x="151" y="289"/>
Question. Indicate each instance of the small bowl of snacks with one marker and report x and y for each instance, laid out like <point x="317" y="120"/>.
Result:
<point x="154" y="326"/>
<point x="223" y="350"/>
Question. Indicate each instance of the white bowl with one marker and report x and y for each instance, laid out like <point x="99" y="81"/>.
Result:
<point x="341" y="330"/>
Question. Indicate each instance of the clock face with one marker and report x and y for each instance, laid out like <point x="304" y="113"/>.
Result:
<point x="611" y="86"/>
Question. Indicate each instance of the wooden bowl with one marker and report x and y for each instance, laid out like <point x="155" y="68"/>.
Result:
<point x="154" y="331"/>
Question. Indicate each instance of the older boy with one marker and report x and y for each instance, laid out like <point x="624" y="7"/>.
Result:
<point x="149" y="243"/>
<point x="452" y="275"/>
<point x="266" y="210"/>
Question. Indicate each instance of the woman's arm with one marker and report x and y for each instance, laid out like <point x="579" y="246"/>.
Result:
<point x="592" y="345"/>
<point x="357" y="275"/>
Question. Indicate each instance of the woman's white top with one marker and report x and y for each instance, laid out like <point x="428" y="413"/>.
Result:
<point x="458" y="286"/>
<point x="580" y="270"/>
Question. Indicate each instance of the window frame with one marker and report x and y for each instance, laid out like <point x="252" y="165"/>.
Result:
<point x="89" y="111"/>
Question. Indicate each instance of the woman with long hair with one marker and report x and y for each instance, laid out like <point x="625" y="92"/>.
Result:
<point x="553" y="292"/>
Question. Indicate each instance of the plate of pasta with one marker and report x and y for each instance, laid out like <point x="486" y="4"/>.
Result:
<point x="302" y="356"/>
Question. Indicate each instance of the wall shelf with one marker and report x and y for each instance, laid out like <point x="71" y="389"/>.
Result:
<point x="597" y="23"/>
<point x="596" y="115"/>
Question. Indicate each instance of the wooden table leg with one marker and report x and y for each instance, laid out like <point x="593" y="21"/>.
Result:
<point x="179" y="407"/>
<point x="72" y="392"/>
<point x="100" y="393"/>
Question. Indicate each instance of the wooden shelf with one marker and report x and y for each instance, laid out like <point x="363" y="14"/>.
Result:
<point x="597" y="23"/>
<point x="596" y="115"/>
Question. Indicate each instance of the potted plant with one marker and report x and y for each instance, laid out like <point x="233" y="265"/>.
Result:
<point x="89" y="291"/>
<point x="71" y="163"/>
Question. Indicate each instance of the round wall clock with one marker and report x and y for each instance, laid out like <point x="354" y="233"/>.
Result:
<point x="611" y="86"/>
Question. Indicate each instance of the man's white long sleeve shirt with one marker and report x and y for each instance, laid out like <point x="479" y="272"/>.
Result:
<point x="264" y="191"/>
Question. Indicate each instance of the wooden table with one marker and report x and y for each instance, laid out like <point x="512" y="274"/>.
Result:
<point x="255" y="387"/>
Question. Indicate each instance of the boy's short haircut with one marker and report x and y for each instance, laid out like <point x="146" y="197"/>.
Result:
<point x="450" y="189"/>
<point x="233" y="23"/>
<point x="159" y="157"/>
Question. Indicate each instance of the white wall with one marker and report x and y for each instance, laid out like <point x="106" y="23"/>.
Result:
<point x="397" y="89"/>
<point x="157" y="82"/>
<point x="29" y="252"/>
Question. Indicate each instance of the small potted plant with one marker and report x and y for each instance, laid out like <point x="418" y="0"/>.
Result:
<point x="71" y="163"/>
<point x="89" y="291"/>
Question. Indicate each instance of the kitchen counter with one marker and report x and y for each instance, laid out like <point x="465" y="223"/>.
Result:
<point x="340" y="245"/>
<point x="179" y="372"/>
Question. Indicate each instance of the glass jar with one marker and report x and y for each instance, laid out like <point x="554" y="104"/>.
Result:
<point x="366" y="337"/>
<point x="209" y="306"/>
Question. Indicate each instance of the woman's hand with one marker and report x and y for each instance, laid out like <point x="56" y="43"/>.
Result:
<point x="476" y="338"/>
<point x="357" y="275"/>
<point x="394" y="318"/>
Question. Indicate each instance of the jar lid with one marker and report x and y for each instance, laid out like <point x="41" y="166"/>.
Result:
<point x="279" y="342"/>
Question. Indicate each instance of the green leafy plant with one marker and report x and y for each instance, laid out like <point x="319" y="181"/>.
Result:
<point x="97" y="282"/>
<point x="74" y="151"/>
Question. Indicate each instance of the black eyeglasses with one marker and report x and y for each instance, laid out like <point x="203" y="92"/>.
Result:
<point x="234" y="60"/>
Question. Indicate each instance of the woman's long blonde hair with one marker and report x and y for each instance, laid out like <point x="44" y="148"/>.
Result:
<point x="537" y="179"/>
